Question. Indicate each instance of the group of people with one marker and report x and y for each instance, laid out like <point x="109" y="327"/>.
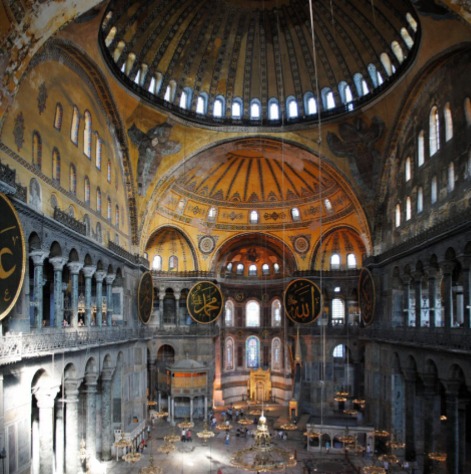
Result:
<point x="186" y="435"/>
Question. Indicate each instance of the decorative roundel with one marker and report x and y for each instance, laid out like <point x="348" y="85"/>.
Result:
<point x="207" y="244"/>
<point x="366" y="296"/>
<point x="204" y="302"/>
<point x="145" y="297"/>
<point x="301" y="244"/>
<point x="303" y="301"/>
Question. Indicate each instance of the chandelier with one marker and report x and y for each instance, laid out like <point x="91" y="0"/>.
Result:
<point x="263" y="456"/>
<point x="373" y="470"/>
<point x="166" y="448"/>
<point x="161" y="414"/>
<point x="312" y="434"/>
<point x="205" y="434"/>
<point x="389" y="458"/>
<point x="437" y="456"/>
<point x="244" y="421"/>
<point x="289" y="427"/>
<point x="185" y="425"/>
<point x="150" y="469"/>
<point x="171" y="438"/>
<point x="381" y="434"/>
<point x="132" y="457"/>
<point x="224" y="426"/>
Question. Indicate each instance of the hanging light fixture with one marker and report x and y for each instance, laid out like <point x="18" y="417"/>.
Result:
<point x="205" y="434"/>
<point x="166" y="448"/>
<point x="263" y="456"/>
<point x="185" y="425"/>
<point x="373" y="470"/>
<point x="132" y="457"/>
<point x="150" y="469"/>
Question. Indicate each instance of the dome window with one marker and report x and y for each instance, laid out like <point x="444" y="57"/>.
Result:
<point x="295" y="214"/>
<point x="335" y="261"/>
<point x="420" y="200"/>
<point x="253" y="270"/>
<point x="254" y="218"/>
<point x="398" y="215"/>
<point x="273" y="110"/>
<point x="240" y="269"/>
<point x="310" y="104"/>
<point x="218" y="108"/>
<point x="237" y="109"/>
<point x="212" y="214"/>
<point x="265" y="269"/>
<point x="292" y="107"/>
<point x="351" y="261"/>
<point x="255" y="110"/>
<point x="202" y="104"/>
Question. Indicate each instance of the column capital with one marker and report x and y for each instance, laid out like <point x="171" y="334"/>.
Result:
<point x="46" y="396"/>
<point x="110" y="278"/>
<point x="418" y="275"/>
<point x="410" y="375"/>
<point x="75" y="267"/>
<point x="58" y="262"/>
<point x="107" y="374"/>
<point x="91" y="380"/>
<point x="452" y="387"/>
<point x="88" y="270"/>
<point x="100" y="275"/>
<point x="447" y="266"/>
<point x="38" y="256"/>
<point x="71" y="389"/>
<point x="431" y="272"/>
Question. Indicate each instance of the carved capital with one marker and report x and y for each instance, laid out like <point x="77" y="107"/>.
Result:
<point x="75" y="267"/>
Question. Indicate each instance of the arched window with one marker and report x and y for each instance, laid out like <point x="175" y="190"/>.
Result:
<point x="373" y="72"/>
<point x="276" y="268"/>
<point x="108" y="208"/>
<point x="276" y="313"/>
<point x="186" y="98"/>
<point x="98" y="200"/>
<point x="202" y="103"/>
<point x="265" y="269"/>
<point x="254" y="217"/>
<point x="219" y="107"/>
<point x="236" y="108"/>
<point x="74" y="129"/>
<point x="351" y="261"/>
<point x="252" y="270"/>
<point x="240" y="269"/>
<point x="252" y="314"/>
<point x="111" y="34"/>
<point x="434" y="190"/>
<point x="87" y="134"/>
<point x="411" y="20"/>
<point x="328" y="205"/>
<point x="328" y="99"/>
<point x="360" y="84"/>
<point x="252" y="352"/>
<point x="229" y="354"/>
<point x="229" y="267"/>
<point x="273" y="109"/>
<point x="397" y="50"/>
<point x="116" y="216"/>
<point x="434" y="131"/>
<point x="108" y="171"/>
<point x="338" y="312"/>
<point x="72" y="179"/>
<point x="173" y="263"/>
<point x="169" y="95"/>
<point x="407" y="38"/>
<point x="56" y="165"/>
<point x="255" y="109"/>
<point x="335" y="261"/>
<point x="408" y="169"/>
<point x="295" y="214"/>
<point x="448" y="122"/>
<point x="86" y="190"/>
<point x="386" y="62"/>
<point x="310" y="103"/>
<point x="276" y="353"/>
<point x="339" y="352"/>
<point x="212" y="213"/>
<point x="98" y="151"/>
<point x="58" y="116"/>
<point x="451" y="177"/>
<point x="37" y="150"/>
<point x="398" y="215"/>
<point x="157" y="263"/>
<point x="292" y="107"/>
<point x="420" y="200"/>
<point x="420" y="149"/>
<point x="408" y="208"/>
<point x="229" y="313"/>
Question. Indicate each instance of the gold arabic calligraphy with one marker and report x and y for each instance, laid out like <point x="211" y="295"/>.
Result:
<point x="303" y="301"/>
<point x="205" y="302"/>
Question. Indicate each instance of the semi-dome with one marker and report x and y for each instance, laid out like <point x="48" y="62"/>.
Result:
<point x="254" y="62"/>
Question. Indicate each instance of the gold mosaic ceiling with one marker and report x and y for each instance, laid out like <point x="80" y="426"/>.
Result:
<point x="177" y="53"/>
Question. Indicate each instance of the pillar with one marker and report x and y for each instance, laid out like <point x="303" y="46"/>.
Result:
<point x="91" y="392"/>
<point x="453" y="432"/>
<point x="74" y="268"/>
<point x="431" y="420"/>
<point x="45" y="397"/>
<point x="59" y="438"/>
<point x="432" y="294"/>
<point x="466" y="294"/>
<point x="418" y="298"/>
<point x="99" y="277"/>
<point x="58" y="264"/>
<point x="71" y="425"/>
<point x="38" y="257"/>
<point x="410" y="380"/>
<point x="107" y="434"/>
<point x="177" y="308"/>
<point x="447" y="268"/>
<point x="110" y="277"/>
<point x="407" y="294"/>
<point x="161" y="308"/>
<point x="88" y="272"/>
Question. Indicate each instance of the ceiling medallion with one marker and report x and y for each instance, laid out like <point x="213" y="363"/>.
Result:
<point x="206" y="244"/>
<point x="301" y="244"/>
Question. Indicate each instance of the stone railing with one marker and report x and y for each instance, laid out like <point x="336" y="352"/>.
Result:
<point x="18" y="346"/>
<point x="69" y="221"/>
<point x="445" y="339"/>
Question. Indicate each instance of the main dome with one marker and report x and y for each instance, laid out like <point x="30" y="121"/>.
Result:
<point x="258" y="62"/>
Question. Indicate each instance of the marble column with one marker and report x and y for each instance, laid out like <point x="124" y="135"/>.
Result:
<point x="453" y="431"/>
<point x="110" y="277"/>
<point x="467" y="295"/>
<point x="447" y="268"/>
<point x="59" y="438"/>
<point x="38" y="257"/>
<point x="74" y="268"/>
<point x="88" y="272"/>
<point x="410" y="381"/>
<point x="431" y="409"/>
<point x="161" y="309"/>
<point x="107" y="434"/>
<point x="99" y="277"/>
<point x="418" y="298"/>
<point x="432" y="294"/>
<point x="58" y="264"/>
<point x="45" y="398"/>
<point x="71" y="425"/>
<point x="408" y="312"/>
<point x="177" y="308"/>
<point x="91" y="392"/>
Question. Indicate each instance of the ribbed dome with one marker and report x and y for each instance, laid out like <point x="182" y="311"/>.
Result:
<point x="253" y="61"/>
<point x="281" y="183"/>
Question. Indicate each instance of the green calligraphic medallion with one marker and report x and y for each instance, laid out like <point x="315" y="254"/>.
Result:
<point x="303" y="301"/>
<point x="366" y="296"/>
<point x="145" y="297"/>
<point x="205" y="302"/>
<point x="12" y="256"/>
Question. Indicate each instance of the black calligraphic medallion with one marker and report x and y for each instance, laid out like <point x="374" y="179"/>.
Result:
<point x="366" y="296"/>
<point x="145" y="297"/>
<point x="12" y="256"/>
<point x="303" y="301"/>
<point x="204" y="302"/>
